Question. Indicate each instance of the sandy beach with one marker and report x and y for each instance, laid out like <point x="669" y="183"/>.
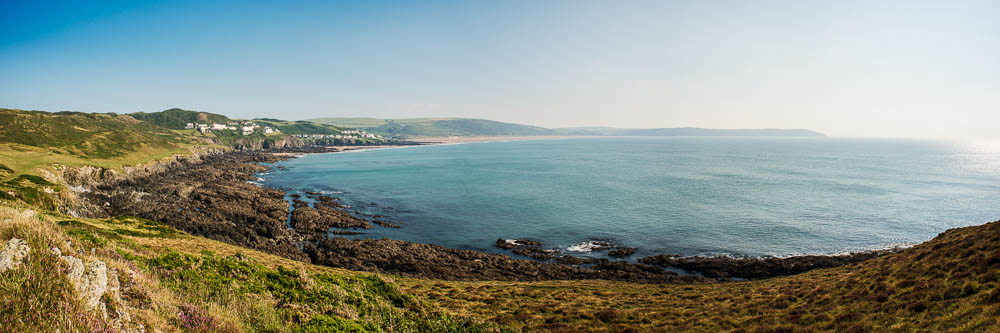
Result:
<point x="468" y="139"/>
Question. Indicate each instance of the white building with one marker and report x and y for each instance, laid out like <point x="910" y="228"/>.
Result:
<point x="247" y="130"/>
<point x="218" y="127"/>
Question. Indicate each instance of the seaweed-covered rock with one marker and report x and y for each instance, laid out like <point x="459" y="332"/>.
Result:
<point x="536" y="252"/>
<point x="622" y="252"/>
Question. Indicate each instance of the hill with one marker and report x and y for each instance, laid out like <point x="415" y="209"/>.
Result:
<point x="177" y="118"/>
<point x="440" y="127"/>
<point x="30" y="139"/>
<point x="90" y="135"/>
<point x="436" y="127"/>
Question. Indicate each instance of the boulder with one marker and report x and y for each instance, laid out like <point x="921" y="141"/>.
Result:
<point x="93" y="285"/>
<point x="13" y="254"/>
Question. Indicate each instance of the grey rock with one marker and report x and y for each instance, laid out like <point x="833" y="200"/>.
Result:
<point x="13" y="254"/>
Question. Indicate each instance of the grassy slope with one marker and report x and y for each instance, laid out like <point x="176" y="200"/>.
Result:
<point x="177" y="282"/>
<point x="32" y="139"/>
<point x="178" y="118"/>
<point x="951" y="283"/>
<point x="300" y="127"/>
<point x="351" y="122"/>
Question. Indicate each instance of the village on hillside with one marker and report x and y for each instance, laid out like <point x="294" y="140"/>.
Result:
<point x="247" y="127"/>
<point x="348" y="134"/>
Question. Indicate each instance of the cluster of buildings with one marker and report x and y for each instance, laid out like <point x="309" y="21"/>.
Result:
<point x="360" y="134"/>
<point x="348" y="134"/>
<point x="246" y="127"/>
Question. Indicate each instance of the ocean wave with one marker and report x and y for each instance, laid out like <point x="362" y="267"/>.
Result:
<point x="588" y="246"/>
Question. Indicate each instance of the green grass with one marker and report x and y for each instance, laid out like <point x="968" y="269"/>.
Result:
<point x="351" y="122"/>
<point x="37" y="297"/>
<point x="322" y="301"/>
<point x="178" y="118"/>
<point x="87" y="135"/>
<point x="204" y="292"/>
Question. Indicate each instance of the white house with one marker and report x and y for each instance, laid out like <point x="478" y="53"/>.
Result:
<point x="247" y="130"/>
<point x="218" y="127"/>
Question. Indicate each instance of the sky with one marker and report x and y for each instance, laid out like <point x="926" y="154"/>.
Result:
<point x="846" y="68"/>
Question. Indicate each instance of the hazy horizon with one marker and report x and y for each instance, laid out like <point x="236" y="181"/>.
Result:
<point x="848" y="68"/>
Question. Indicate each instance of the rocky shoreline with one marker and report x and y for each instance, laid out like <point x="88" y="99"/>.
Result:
<point x="212" y="196"/>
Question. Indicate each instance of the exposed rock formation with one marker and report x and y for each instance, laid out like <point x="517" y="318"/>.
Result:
<point x="13" y="254"/>
<point x="622" y="252"/>
<point x="755" y="268"/>
<point x="433" y="261"/>
<point x="211" y="198"/>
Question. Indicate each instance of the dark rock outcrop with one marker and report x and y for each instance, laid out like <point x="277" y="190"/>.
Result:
<point x="622" y="252"/>
<point x="209" y="197"/>
<point x="433" y="261"/>
<point x="756" y="268"/>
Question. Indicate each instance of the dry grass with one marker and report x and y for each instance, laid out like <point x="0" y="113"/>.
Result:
<point x="176" y="282"/>
<point x="37" y="297"/>
<point x="947" y="284"/>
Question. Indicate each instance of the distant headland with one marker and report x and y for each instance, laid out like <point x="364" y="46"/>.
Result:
<point x="444" y="127"/>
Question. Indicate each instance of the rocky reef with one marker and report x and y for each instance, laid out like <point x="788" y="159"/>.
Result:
<point x="756" y="268"/>
<point x="212" y="195"/>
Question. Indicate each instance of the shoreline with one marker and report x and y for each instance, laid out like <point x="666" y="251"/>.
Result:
<point x="215" y="198"/>
<point x="717" y="266"/>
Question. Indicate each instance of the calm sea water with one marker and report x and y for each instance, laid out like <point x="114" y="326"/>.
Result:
<point x="689" y="196"/>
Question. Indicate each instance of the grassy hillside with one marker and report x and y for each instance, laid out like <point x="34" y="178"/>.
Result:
<point x="436" y="127"/>
<point x="298" y="127"/>
<point x="169" y="281"/>
<point x="177" y="118"/>
<point x="32" y="139"/>
<point x="951" y="283"/>
<point x="88" y="135"/>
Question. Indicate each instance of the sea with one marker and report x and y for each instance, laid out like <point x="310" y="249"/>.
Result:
<point x="689" y="196"/>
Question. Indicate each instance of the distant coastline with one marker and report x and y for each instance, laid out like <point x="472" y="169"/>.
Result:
<point x="466" y="127"/>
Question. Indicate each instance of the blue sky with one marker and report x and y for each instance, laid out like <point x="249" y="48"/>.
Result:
<point x="853" y="68"/>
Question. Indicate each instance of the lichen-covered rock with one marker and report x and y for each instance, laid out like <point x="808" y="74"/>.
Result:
<point x="120" y="317"/>
<point x="90" y="281"/>
<point x="15" y="252"/>
<point x="74" y="267"/>
<point x="93" y="284"/>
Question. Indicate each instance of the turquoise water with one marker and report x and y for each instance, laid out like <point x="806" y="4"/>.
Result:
<point x="689" y="196"/>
